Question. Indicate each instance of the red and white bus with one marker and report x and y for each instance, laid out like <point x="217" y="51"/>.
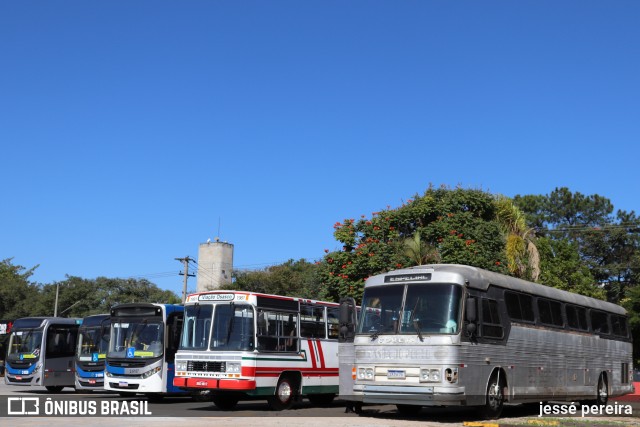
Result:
<point x="244" y="345"/>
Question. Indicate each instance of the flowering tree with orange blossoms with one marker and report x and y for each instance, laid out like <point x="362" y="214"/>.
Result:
<point x="460" y="224"/>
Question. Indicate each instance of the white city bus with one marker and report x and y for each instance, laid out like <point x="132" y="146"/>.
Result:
<point x="459" y="335"/>
<point x="142" y="346"/>
<point x="241" y="345"/>
<point x="41" y="352"/>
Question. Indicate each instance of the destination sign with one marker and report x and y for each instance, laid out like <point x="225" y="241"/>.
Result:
<point x="216" y="297"/>
<point x="418" y="277"/>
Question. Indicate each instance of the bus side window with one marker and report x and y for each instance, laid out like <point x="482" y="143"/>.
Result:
<point x="491" y="323"/>
<point x="333" y="322"/>
<point x="599" y="322"/>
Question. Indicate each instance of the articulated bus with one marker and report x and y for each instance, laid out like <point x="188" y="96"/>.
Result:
<point x="41" y="352"/>
<point x="459" y="335"/>
<point x="142" y="347"/>
<point x="93" y="342"/>
<point x="242" y="345"/>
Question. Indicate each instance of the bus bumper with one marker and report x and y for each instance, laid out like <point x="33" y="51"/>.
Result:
<point x="425" y="396"/>
<point x="214" y="384"/>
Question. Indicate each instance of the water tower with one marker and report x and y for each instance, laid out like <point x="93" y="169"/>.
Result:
<point x="215" y="262"/>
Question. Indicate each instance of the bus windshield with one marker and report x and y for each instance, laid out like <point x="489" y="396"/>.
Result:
<point x="425" y="309"/>
<point x="94" y="339"/>
<point x="133" y="338"/>
<point x="25" y="344"/>
<point x="197" y="327"/>
<point x="232" y="327"/>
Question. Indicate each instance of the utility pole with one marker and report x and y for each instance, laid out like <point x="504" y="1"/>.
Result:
<point x="186" y="275"/>
<point x="55" y="310"/>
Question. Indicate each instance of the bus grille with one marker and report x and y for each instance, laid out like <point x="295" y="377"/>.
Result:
<point x="196" y="366"/>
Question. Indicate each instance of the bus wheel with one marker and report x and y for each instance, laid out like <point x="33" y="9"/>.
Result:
<point x="54" y="388"/>
<point x="494" y="400"/>
<point x="409" y="410"/>
<point x="225" y="403"/>
<point x="285" y="394"/>
<point x="321" y="399"/>
<point x="602" y="391"/>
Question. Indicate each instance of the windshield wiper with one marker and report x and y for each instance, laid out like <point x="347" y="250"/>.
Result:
<point x="416" y="325"/>
<point x="375" y="334"/>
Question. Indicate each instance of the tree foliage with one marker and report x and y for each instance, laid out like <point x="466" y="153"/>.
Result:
<point x="456" y="226"/>
<point x="292" y="278"/>
<point x="77" y="297"/>
<point x="608" y="245"/>
<point x="17" y="293"/>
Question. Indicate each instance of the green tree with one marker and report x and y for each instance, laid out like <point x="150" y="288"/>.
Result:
<point x="292" y="278"/>
<point x="607" y="244"/>
<point x="523" y="259"/>
<point x="459" y="224"/>
<point x="419" y="252"/>
<point x="17" y="293"/>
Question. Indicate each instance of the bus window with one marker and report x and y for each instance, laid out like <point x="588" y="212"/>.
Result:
<point x="312" y="321"/>
<point x="599" y="322"/>
<point x="433" y="308"/>
<point x="519" y="306"/>
<point x="619" y="326"/>
<point x="577" y="318"/>
<point x="491" y="324"/>
<point x="333" y="322"/>
<point x="380" y="309"/>
<point x="550" y="312"/>
<point x="61" y="341"/>
<point x="277" y="331"/>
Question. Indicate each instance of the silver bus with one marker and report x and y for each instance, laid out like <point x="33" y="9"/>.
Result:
<point x="41" y="352"/>
<point x="444" y="335"/>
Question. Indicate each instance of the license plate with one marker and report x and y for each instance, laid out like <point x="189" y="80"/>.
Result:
<point x="395" y="373"/>
<point x="92" y="382"/>
<point x="123" y="384"/>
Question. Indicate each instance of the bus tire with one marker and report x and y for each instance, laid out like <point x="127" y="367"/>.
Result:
<point x="285" y="395"/>
<point x="225" y="403"/>
<point x="409" y="410"/>
<point x="494" y="398"/>
<point x="321" y="399"/>
<point x="54" y="388"/>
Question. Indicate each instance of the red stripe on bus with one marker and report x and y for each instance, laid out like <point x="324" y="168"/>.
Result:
<point x="312" y="354"/>
<point x="320" y="353"/>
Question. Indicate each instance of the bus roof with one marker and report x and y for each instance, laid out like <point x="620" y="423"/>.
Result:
<point x="36" y="322"/>
<point x="478" y="278"/>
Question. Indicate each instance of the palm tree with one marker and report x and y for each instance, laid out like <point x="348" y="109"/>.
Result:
<point x="419" y="251"/>
<point x="523" y="258"/>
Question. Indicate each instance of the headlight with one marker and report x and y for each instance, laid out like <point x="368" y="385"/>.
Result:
<point x="233" y="368"/>
<point x="151" y="372"/>
<point x="430" y="375"/>
<point x="181" y="365"/>
<point x="365" y="373"/>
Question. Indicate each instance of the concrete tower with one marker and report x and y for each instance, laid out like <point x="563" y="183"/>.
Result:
<point x="215" y="262"/>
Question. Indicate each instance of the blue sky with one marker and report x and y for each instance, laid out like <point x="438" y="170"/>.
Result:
<point x="130" y="130"/>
